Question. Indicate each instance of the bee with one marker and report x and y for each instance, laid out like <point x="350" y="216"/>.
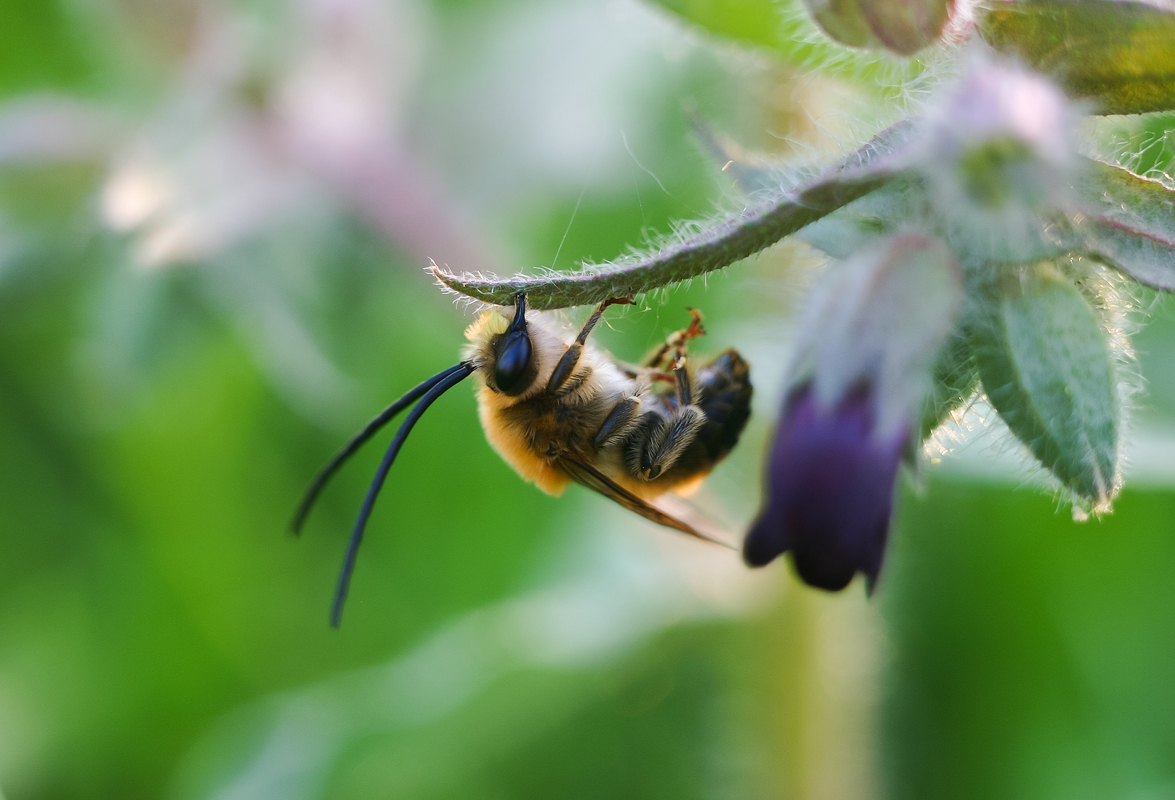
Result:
<point x="560" y="412"/>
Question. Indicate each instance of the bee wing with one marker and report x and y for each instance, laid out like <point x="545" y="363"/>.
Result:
<point x="585" y="474"/>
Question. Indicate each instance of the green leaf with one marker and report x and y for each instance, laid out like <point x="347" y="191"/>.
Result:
<point x="1148" y="260"/>
<point x="755" y="21"/>
<point x="1129" y="223"/>
<point x="1046" y="366"/>
<point x="40" y="49"/>
<point x="1118" y="55"/>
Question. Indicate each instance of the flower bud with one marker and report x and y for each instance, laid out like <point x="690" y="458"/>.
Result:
<point x="830" y="484"/>
<point x="880" y="317"/>
<point x="907" y="26"/>
<point x="869" y="334"/>
<point x="999" y="161"/>
<point x="842" y="20"/>
<point x="996" y="102"/>
<point x="901" y="26"/>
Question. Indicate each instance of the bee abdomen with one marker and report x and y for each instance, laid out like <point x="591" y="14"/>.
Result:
<point x="725" y="397"/>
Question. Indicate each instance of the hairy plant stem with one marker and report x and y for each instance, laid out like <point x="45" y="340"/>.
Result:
<point x="727" y="242"/>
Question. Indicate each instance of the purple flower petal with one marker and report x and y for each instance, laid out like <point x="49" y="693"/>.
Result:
<point x="829" y="491"/>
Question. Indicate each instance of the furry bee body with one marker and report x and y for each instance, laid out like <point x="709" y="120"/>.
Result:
<point x="535" y="430"/>
<point x="560" y="411"/>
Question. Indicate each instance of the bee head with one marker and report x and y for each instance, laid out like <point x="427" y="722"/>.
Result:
<point x="508" y="361"/>
<point x="514" y="367"/>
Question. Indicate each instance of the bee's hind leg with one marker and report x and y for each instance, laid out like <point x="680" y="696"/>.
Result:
<point x="665" y="443"/>
<point x="570" y="359"/>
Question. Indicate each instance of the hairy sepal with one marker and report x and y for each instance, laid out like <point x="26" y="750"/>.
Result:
<point x="1129" y="223"/>
<point x="1045" y="362"/>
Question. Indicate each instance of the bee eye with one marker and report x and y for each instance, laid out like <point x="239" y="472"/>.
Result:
<point x="513" y="367"/>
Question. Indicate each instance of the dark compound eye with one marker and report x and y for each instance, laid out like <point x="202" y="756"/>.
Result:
<point x="512" y="372"/>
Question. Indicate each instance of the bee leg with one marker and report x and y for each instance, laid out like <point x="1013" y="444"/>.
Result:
<point x="677" y="342"/>
<point x="657" y="358"/>
<point x="570" y="360"/>
<point x="618" y="423"/>
<point x="667" y="441"/>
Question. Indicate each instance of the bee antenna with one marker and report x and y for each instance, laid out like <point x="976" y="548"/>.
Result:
<point x="373" y="427"/>
<point x="451" y="377"/>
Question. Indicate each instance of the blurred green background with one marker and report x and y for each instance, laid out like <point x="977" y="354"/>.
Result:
<point x="213" y="222"/>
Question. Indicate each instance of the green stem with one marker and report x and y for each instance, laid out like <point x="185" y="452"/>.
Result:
<point x="731" y="240"/>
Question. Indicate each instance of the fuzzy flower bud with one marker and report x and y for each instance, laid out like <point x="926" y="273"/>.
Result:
<point x="831" y="482"/>
<point x="843" y="21"/>
<point x="907" y="26"/>
<point x="901" y="26"/>
<point x="869" y="335"/>
<point x="999" y="160"/>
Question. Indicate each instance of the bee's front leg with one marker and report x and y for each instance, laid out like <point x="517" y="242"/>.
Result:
<point x="570" y="360"/>
<point x="619" y="422"/>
